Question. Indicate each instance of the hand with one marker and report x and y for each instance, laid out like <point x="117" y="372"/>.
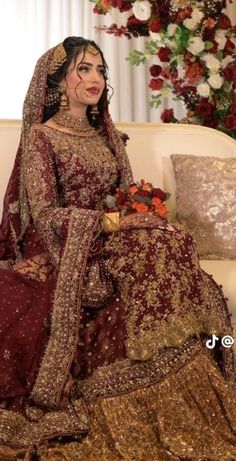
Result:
<point x="142" y="221"/>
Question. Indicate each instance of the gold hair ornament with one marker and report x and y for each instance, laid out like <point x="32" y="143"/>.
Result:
<point x="92" y="50"/>
<point x="58" y="58"/>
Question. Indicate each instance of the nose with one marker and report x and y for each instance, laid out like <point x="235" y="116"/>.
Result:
<point x="96" y="76"/>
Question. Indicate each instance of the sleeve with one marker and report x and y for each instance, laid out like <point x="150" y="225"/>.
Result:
<point x="51" y="220"/>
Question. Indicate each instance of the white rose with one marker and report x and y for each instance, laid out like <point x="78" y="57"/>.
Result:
<point x="197" y="15"/>
<point x="203" y="90"/>
<point x="216" y="81"/>
<point x="171" y="44"/>
<point x="220" y="38"/>
<point x="181" y="71"/>
<point x="171" y="29"/>
<point x="155" y="36"/>
<point x="227" y="60"/>
<point x="196" y="45"/>
<point x="142" y="10"/>
<point x="212" y="63"/>
<point x="190" y="23"/>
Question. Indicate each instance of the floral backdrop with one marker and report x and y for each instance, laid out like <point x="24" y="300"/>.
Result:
<point x="191" y="46"/>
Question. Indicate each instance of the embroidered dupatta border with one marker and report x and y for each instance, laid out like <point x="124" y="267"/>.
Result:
<point x="63" y="339"/>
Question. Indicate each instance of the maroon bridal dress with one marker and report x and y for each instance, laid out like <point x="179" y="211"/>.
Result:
<point x="103" y="336"/>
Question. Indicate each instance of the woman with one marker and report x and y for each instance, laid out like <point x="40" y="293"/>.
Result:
<point x="103" y="334"/>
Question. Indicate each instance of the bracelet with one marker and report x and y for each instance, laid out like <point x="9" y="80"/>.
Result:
<point x="111" y="222"/>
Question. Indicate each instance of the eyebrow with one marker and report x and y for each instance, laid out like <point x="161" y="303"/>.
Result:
<point x="90" y="65"/>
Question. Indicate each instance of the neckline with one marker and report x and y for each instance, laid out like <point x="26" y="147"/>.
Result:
<point x="76" y="124"/>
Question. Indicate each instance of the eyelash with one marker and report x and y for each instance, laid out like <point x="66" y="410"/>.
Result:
<point x="80" y="69"/>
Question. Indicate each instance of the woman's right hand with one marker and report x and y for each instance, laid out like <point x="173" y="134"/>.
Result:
<point x="143" y="221"/>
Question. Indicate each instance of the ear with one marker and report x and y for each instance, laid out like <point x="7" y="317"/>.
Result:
<point x="62" y="84"/>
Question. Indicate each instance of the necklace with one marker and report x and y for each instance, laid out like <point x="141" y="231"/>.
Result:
<point x="78" y="125"/>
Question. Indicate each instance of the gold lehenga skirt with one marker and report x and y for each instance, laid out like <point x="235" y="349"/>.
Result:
<point x="175" y="407"/>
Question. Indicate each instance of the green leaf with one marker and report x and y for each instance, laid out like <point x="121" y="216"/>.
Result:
<point x="152" y="47"/>
<point x="124" y="186"/>
<point x="136" y="58"/>
<point x="110" y="201"/>
<point x="141" y="199"/>
<point x="208" y="45"/>
<point x="219" y="55"/>
<point x="155" y="101"/>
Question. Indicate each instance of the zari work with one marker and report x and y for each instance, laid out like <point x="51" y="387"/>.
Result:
<point x="136" y="353"/>
<point x="103" y="336"/>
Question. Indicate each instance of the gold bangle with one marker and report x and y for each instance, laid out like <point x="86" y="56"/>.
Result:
<point x="111" y="222"/>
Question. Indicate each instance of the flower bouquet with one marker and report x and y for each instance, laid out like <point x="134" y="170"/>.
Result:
<point x="138" y="197"/>
<point x="192" y="49"/>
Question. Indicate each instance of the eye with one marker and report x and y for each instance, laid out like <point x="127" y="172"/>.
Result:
<point x="83" y="69"/>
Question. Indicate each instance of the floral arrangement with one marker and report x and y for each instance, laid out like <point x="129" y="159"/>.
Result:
<point x="192" y="49"/>
<point x="137" y="197"/>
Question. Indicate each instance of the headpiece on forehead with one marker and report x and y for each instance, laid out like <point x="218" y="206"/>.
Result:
<point x="16" y="213"/>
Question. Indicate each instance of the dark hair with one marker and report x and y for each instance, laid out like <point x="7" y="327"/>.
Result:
<point x="73" y="46"/>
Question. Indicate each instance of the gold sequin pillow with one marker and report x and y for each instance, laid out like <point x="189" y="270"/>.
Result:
<point x="206" y="202"/>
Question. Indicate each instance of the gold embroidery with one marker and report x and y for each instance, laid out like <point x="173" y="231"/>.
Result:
<point x="60" y="350"/>
<point x="58" y="58"/>
<point x="14" y="207"/>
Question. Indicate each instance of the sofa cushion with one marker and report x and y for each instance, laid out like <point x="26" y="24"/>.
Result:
<point x="206" y="202"/>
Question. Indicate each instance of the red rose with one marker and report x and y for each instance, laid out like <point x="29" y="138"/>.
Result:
<point x="123" y="6"/>
<point x="159" y="194"/>
<point x="142" y="193"/>
<point x="165" y="73"/>
<point x="164" y="54"/>
<point x="97" y="10"/>
<point x="230" y="122"/>
<point x="224" y="21"/>
<point x="120" y="197"/>
<point x="229" y="46"/>
<point x="167" y="115"/>
<point x="204" y="108"/>
<point x="155" y="25"/>
<point x="229" y="73"/>
<point x="233" y="108"/>
<point x="155" y="70"/>
<point x="133" y="21"/>
<point x="210" y="121"/>
<point x="156" y="84"/>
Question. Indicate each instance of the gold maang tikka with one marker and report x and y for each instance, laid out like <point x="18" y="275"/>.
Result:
<point x="92" y="50"/>
<point x="58" y="58"/>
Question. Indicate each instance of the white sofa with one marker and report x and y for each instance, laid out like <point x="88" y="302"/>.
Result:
<point x="149" y="150"/>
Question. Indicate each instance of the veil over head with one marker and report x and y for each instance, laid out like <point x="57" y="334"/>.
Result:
<point x="16" y="213"/>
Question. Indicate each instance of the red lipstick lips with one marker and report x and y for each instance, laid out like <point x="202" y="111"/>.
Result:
<point x="93" y="89"/>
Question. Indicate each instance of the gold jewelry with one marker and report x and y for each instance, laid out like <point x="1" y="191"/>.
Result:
<point x="76" y="124"/>
<point x="58" y="58"/>
<point x="111" y="222"/>
<point x="52" y="96"/>
<point x="92" y="50"/>
<point x="64" y="101"/>
<point x="94" y="111"/>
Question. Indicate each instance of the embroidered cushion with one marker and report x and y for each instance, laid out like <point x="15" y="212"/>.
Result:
<point x="206" y="202"/>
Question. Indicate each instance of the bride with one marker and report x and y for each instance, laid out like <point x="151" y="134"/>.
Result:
<point x="103" y="319"/>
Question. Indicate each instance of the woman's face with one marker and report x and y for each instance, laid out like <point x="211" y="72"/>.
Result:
<point x="85" y="81"/>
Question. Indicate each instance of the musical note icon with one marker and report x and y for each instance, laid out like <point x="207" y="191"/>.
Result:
<point x="211" y="345"/>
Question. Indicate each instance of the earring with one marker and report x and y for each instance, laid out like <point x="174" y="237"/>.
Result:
<point x="52" y="97"/>
<point x="94" y="112"/>
<point x="64" y="101"/>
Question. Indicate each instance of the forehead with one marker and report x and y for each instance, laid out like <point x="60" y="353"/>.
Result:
<point x="89" y="58"/>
